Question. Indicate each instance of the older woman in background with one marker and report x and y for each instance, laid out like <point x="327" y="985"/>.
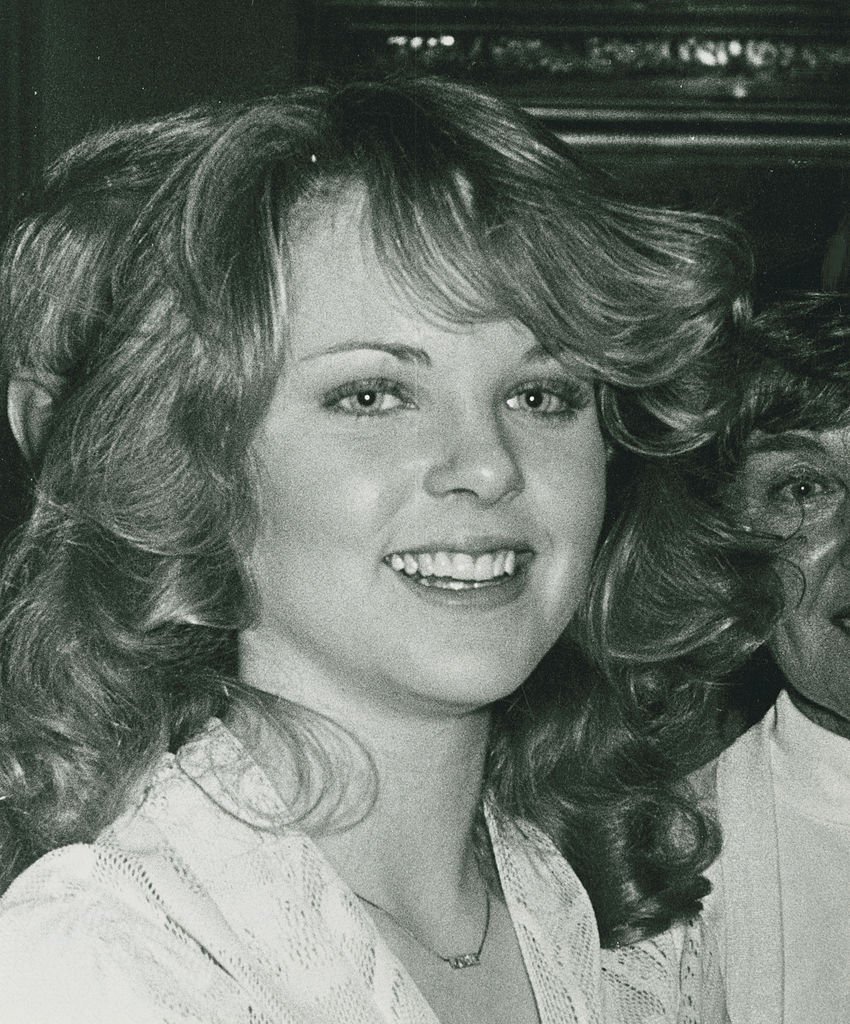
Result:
<point x="781" y="898"/>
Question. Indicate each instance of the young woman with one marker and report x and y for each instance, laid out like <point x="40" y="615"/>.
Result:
<point x="320" y="396"/>
<point x="782" y="790"/>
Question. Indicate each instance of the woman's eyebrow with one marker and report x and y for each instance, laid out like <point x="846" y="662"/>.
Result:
<point x="538" y="354"/>
<point x="412" y="354"/>
<point x="787" y="442"/>
<point x="404" y="353"/>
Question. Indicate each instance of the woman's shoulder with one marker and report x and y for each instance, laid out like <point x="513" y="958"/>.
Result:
<point x="80" y="940"/>
<point x="66" y="902"/>
<point x="119" y="929"/>
<point x="707" y="781"/>
<point x="659" y="978"/>
<point x="722" y="784"/>
<point x="55" y="934"/>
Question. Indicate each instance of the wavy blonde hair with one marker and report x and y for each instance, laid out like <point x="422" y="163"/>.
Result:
<point x="146" y="289"/>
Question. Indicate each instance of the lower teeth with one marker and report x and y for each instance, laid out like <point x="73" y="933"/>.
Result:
<point x="442" y="583"/>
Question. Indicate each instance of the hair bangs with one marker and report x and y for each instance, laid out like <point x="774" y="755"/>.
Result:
<point x="460" y="267"/>
<point x="433" y="247"/>
<point x="796" y="368"/>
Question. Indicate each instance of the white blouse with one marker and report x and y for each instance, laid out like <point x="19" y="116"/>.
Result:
<point x="190" y="909"/>
<point x="781" y="905"/>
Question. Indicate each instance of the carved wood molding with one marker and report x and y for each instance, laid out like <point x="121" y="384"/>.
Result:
<point x="655" y="74"/>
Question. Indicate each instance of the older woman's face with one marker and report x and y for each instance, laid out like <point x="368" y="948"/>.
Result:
<point x="431" y="494"/>
<point x="796" y="485"/>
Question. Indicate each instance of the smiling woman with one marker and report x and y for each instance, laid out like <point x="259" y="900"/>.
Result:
<point x="297" y="669"/>
<point x="781" y="790"/>
<point x="413" y="465"/>
<point x="788" y="453"/>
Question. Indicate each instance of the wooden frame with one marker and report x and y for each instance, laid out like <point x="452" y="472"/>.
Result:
<point x="748" y="79"/>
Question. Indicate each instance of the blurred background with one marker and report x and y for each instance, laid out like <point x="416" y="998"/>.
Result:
<point x="736" y="108"/>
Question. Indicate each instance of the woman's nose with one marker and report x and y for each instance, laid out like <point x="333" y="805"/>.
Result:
<point x="475" y="457"/>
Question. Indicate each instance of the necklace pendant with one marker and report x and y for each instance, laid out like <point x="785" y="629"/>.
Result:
<point x="457" y="963"/>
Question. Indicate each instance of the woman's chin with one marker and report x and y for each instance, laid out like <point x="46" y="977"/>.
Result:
<point x="468" y="683"/>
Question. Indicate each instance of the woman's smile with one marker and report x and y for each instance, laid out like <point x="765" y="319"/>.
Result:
<point x="449" y="475"/>
<point x="485" y="581"/>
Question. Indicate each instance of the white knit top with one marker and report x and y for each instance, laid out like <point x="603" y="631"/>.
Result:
<point x="191" y="909"/>
<point x="781" y="901"/>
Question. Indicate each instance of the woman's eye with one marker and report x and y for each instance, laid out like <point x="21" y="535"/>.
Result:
<point x="366" y="399"/>
<point x="805" y="490"/>
<point x="547" y="400"/>
<point x="786" y="503"/>
<point x="799" y="490"/>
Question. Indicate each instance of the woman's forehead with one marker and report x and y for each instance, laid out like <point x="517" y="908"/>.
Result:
<point x="834" y="442"/>
<point x="339" y="241"/>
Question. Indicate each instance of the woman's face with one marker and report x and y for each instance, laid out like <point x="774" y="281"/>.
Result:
<point x="431" y="494"/>
<point x="796" y="485"/>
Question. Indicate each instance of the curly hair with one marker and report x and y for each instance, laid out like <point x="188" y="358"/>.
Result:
<point x="147" y="292"/>
<point x="792" y="374"/>
<point x="715" y="593"/>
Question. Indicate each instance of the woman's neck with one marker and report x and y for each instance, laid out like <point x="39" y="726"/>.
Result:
<point x="403" y="821"/>
<point x="419" y="833"/>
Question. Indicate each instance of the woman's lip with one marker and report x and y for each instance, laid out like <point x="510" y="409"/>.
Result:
<point x="499" y="592"/>
<point x="462" y="567"/>
<point x="467" y="545"/>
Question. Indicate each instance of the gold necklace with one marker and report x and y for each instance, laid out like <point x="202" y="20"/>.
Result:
<point x="457" y="962"/>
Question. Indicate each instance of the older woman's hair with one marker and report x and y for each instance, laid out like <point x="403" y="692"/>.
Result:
<point x="147" y="293"/>
<point x="792" y="374"/>
<point x="793" y="371"/>
<point x="713" y="592"/>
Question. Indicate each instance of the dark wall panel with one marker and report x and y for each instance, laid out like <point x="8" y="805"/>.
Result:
<point x="73" y="65"/>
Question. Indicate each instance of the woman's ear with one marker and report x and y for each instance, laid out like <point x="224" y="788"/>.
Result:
<point x="30" y="409"/>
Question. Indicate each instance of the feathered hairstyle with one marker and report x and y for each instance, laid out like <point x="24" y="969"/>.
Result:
<point x="146" y="292"/>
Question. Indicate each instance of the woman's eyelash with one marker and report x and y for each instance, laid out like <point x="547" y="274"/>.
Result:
<point x="543" y="398"/>
<point x="572" y="396"/>
<point x="799" y="478"/>
<point x="367" y="397"/>
<point x="804" y="491"/>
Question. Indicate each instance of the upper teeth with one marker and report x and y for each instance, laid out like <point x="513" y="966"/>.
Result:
<point x="456" y="564"/>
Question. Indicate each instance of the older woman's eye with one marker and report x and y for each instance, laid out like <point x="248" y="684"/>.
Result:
<point x="801" y="490"/>
<point x="366" y="398"/>
<point x="548" y="399"/>
<point x="788" y="502"/>
<point x="804" y="489"/>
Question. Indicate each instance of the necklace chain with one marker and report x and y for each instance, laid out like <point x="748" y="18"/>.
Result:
<point x="457" y="962"/>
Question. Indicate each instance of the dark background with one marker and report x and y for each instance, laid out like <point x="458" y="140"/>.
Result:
<point x="73" y="65"/>
<point x="762" y="135"/>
